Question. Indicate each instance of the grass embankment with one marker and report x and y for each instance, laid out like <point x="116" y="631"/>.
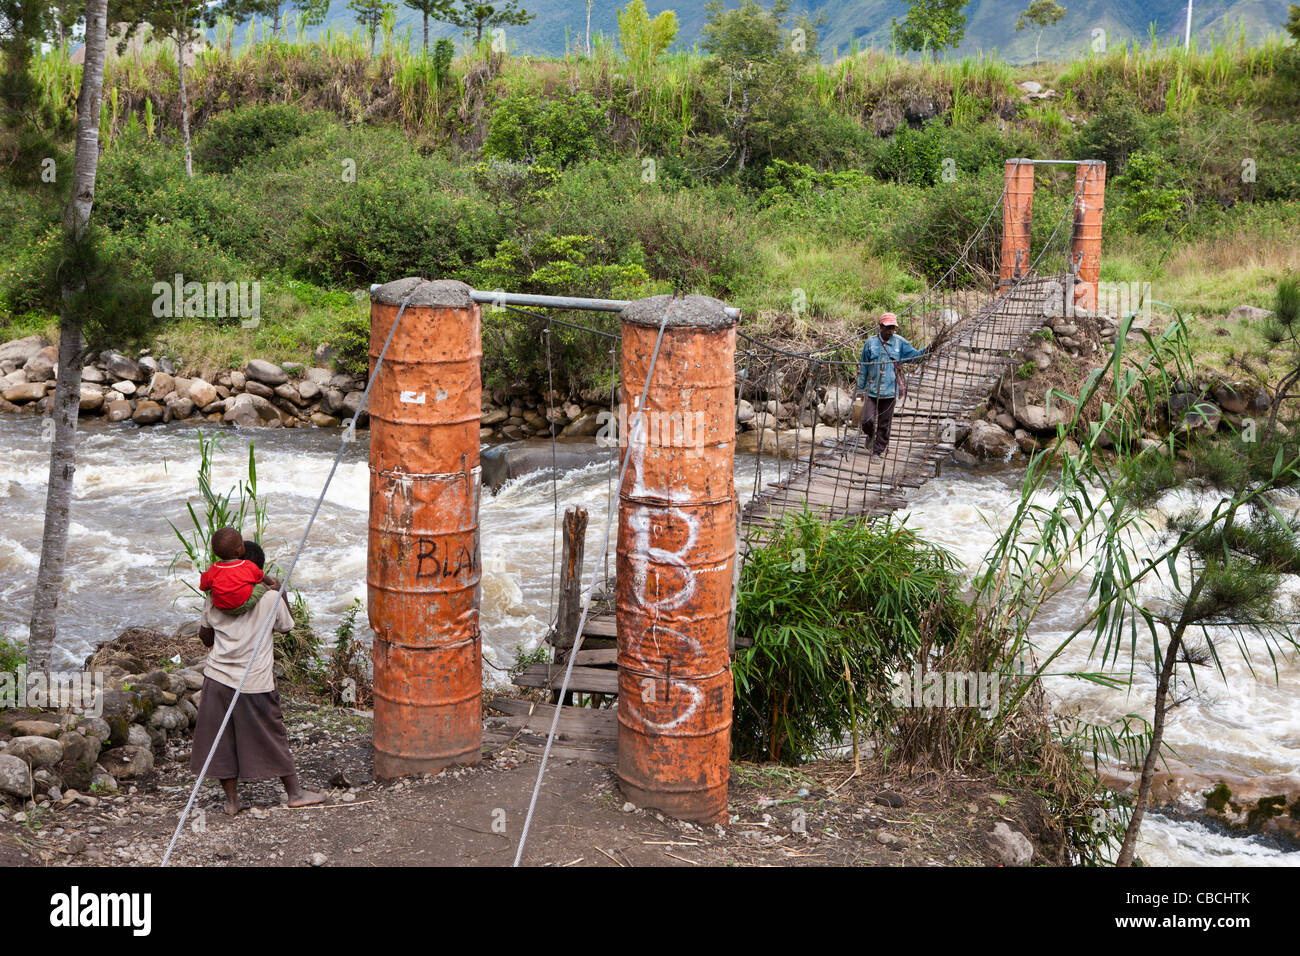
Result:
<point x="321" y="169"/>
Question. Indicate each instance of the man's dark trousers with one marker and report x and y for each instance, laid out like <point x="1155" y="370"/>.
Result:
<point x="877" y="416"/>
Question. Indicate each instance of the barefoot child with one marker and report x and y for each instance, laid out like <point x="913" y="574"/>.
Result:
<point x="254" y="745"/>
<point x="236" y="584"/>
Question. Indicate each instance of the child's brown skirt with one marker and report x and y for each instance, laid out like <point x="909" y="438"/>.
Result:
<point x="254" y="746"/>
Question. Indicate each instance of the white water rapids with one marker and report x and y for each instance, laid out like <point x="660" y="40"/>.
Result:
<point x="131" y="482"/>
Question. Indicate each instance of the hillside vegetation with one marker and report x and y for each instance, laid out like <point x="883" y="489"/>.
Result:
<point x="761" y="177"/>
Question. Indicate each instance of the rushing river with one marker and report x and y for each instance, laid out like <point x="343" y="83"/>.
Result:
<point x="132" y="482"/>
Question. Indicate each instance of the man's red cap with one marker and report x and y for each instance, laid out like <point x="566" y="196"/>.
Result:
<point x="889" y="319"/>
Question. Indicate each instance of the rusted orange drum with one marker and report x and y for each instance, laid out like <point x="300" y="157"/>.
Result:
<point x="423" y="567"/>
<point x="1085" y="243"/>
<point x="676" y="557"/>
<point x="1017" y="219"/>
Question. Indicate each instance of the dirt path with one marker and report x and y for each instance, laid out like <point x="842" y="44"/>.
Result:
<point x="814" y="815"/>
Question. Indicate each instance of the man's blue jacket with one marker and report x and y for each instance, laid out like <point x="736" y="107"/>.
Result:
<point x="876" y="375"/>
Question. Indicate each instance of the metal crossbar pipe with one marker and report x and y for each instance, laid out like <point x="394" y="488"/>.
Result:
<point x="559" y="301"/>
<point x="1055" y="162"/>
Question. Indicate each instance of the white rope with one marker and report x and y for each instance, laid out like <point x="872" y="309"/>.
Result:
<point x="586" y="604"/>
<point x="348" y="437"/>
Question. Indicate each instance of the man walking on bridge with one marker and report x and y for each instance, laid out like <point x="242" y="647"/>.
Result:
<point x="878" y="380"/>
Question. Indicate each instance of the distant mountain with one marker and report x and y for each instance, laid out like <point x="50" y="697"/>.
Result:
<point x="990" y="24"/>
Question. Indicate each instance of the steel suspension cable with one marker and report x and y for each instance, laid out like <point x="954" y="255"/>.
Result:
<point x="586" y="604"/>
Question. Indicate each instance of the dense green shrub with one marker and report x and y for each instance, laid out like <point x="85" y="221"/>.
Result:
<point x="932" y="231"/>
<point x="1112" y="135"/>
<point x="377" y="230"/>
<point x="524" y="127"/>
<point x="833" y="611"/>
<point x="1153" y="199"/>
<point x="228" y="139"/>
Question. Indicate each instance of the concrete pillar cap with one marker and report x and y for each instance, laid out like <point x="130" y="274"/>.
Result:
<point x="439" y="293"/>
<point x="687" y="311"/>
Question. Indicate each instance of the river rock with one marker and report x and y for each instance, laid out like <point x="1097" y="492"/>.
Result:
<point x="1248" y="313"/>
<point x="119" y="711"/>
<point x="168" y="718"/>
<point x="138" y="736"/>
<point x="321" y="420"/>
<point x="493" y="416"/>
<point x="31" y="392"/>
<point x="352" y="407"/>
<point x="331" y="402"/>
<point x="41" y="366"/>
<point x="990" y="442"/>
<point x="148" y="413"/>
<point x="161" y="385"/>
<point x="19" y="351"/>
<point x="242" y="415"/>
<point x="1040" y="418"/>
<point x="261" y="390"/>
<point x="1232" y="398"/>
<point x="201" y="393"/>
<point x="128" y="762"/>
<point x="838" y="405"/>
<point x="503" y="462"/>
<point x="95" y="727"/>
<point x="1202" y="417"/>
<point x="1011" y="847"/>
<point x="585" y="425"/>
<point x="268" y="373"/>
<point x="308" y="391"/>
<point x="80" y="753"/>
<point x="34" y="728"/>
<point x="37" y="751"/>
<point x="118" y="366"/>
<point x="289" y="392"/>
<point x="181" y="408"/>
<point x="92" y="398"/>
<point x="15" y="776"/>
<point x="93" y="375"/>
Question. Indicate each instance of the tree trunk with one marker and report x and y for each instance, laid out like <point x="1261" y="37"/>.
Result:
<point x="1129" y="847"/>
<point x="185" y="108"/>
<point x="589" y="2"/>
<point x="67" y="391"/>
<point x="275" y="26"/>
<point x="426" y="34"/>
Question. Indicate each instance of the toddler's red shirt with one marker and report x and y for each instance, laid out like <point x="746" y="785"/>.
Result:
<point x="231" y="582"/>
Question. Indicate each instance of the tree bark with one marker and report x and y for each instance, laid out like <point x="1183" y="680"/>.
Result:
<point x="426" y="33"/>
<point x="1128" y="849"/>
<point x="67" y="390"/>
<point x="185" y="107"/>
